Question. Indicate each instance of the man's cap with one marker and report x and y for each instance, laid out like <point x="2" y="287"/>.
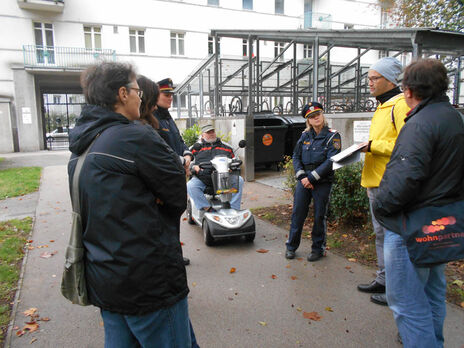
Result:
<point x="311" y="109"/>
<point x="388" y="67"/>
<point x="166" y="86"/>
<point x="206" y="128"/>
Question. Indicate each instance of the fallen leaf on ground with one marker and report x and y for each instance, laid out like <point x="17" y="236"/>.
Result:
<point x="312" y="315"/>
<point x="29" y="241"/>
<point x="33" y="340"/>
<point x="293" y="277"/>
<point x="288" y="266"/>
<point x="462" y="304"/>
<point x="262" y="323"/>
<point x="47" y="255"/>
<point x="31" y="327"/>
<point x="328" y="309"/>
<point x="182" y="243"/>
<point x="194" y="284"/>
<point x="52" y="241"/>
<point x="184" y="219"/>
<point x="45" y="319"/>
<point x="273" y="276"/>
<point x="348" y="267"/>
<point x="30" y="248"/>
<point x="344" y="235"/>
<point x="458" y="282"/>
<point x="42" y="246"/>
<point x="352" y="260"/>
<point x="19" y="333"/>
<point x="299" y="309"/>
<point x="232" y="270"/>
<point x="299" y="258"/>
<point x="30" y="312"/>
<point x="262" y="251"/>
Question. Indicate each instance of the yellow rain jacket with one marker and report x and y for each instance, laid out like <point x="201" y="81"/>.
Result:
<point x="382" y="135"/>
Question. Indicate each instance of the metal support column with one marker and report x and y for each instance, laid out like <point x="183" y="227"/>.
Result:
<point x="295" y="83"/>
<point x="249" y="122"/>
<point x="457" y="83"/>
<point x="416" y="51"/>
<point x="200" y="88"/>
<point x="216" y="76"/>
<point x="328" y="83"/>
<point x="189" y="106"/>
<point x="258" y="84"/>
<point x="357" y="95"/>
<point x="315" y="67"/>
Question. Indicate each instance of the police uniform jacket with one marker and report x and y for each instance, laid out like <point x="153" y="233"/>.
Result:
<point x="207" y="152"/>
<point x="311" y="157"/>
<point x="427" y="163"/>
<point x="133" y="256"/>
<point x="385" y="127"/>
<point x="170" y="133"/>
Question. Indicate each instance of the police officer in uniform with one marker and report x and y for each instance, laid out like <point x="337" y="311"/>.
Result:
<point x="314" y="174"/>
<point x="168" y="128"/>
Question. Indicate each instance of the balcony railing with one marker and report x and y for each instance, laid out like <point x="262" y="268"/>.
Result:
<point x="42" y="5"/>
<point x="70" y="58"/>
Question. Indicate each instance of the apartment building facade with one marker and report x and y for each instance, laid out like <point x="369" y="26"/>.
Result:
<point x="46" y="44"/>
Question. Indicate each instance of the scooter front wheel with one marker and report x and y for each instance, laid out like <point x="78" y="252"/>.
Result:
<point x="209" y="240"/>
<point x="189" y="213"/>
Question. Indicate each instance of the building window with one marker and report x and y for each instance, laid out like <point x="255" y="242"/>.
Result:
<point x="279" y="6"/>
<point x="43" y="33"/>
<point x="278" y="49"/>
<point x="182" y="101"/>
<point x="92" y="38"/>
<point x="307" y="51"/>
<point x="308" y="13"/>
<point x="348" y="26"/>
<point x="56" y="99"/>
<point x="247" y="4"/>
<point x="137" y="40"/>
<point x="177" y="44"/>
<point x="211" y="45"/>
<point x="213" y="2"/>
<point x="245" y="48"/>
<point x="115" y="29"/>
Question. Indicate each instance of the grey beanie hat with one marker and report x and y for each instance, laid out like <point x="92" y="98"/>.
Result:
<point x="388" y="67"/>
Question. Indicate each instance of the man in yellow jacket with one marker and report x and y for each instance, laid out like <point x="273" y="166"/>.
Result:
<point x="385" y="127"/>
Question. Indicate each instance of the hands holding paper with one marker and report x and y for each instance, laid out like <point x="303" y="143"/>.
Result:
<point x="364" y="146"/>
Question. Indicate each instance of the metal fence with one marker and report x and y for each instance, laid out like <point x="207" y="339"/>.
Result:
<point x="36" y="56"/>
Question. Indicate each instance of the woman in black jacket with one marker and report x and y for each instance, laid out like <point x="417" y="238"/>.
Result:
<point x="426" y="169"/>
<point x="131" y="190"/>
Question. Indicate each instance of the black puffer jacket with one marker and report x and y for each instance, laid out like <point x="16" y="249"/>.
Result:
<point x="133" y="254"/>
<point x="427" y="164"/>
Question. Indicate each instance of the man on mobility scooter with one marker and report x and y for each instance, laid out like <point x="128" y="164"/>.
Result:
<point x="216" y="172"/>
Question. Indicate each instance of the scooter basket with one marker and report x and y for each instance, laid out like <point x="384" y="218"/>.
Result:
<point x="225" y="182"/>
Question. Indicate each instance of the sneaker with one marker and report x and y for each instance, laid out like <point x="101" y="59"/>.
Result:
<point x="289" y="254"/>
<point x="315" y="255"/>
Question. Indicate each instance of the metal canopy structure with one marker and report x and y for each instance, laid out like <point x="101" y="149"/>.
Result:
<point x="223" y="86"/>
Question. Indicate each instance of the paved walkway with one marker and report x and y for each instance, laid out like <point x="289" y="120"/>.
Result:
<point x="260" y="305"/>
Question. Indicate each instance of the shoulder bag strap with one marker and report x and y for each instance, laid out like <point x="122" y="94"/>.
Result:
<point x="75" y="182"/>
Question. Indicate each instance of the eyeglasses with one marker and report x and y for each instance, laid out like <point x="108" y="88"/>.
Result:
<point x="138" y="90"/>
<point x="373" y="79"/>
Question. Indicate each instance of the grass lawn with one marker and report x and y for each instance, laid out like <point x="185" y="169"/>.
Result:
<point x="13" y="237"/>
<point x="1" y="159"/>
<point x="19" y="181"/>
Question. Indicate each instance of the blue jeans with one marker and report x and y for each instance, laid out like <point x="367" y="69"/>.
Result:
<point x="301" y="200"/>
<point x="196" y="187"/>
<point x="165" y="328"/>
<point x="416" y="295"/>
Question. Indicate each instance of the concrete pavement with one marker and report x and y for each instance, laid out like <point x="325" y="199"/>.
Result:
<point x="260" y="305"/>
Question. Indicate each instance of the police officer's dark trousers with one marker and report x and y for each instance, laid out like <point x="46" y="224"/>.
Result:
<point x="302" y="199"/>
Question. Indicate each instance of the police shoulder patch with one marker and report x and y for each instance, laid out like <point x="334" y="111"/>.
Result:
<point x="333" y="130"/>
<point x="336" y="144"/>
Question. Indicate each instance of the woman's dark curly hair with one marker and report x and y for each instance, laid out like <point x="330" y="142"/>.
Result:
<point x="101" y="82"/>
<point x="149" y="100"/>
<point x="426" y="78"/>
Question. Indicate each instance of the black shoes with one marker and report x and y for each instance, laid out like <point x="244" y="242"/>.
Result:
<point x="315" y="255"/>
<point x="380" y="299"/>
<point x="373" y="288"/>
<point x="186" y="261"/>
<point x="289" y="254"/>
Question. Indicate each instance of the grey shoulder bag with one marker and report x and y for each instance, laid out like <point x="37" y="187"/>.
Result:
<point x="73" y="284"/>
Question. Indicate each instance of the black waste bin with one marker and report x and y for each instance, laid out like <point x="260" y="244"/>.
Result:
<point x="296" y="126"/>
<point x="270" y="133"/>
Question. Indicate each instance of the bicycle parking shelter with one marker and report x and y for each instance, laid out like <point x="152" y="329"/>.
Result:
<point x="253" y="85"/>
